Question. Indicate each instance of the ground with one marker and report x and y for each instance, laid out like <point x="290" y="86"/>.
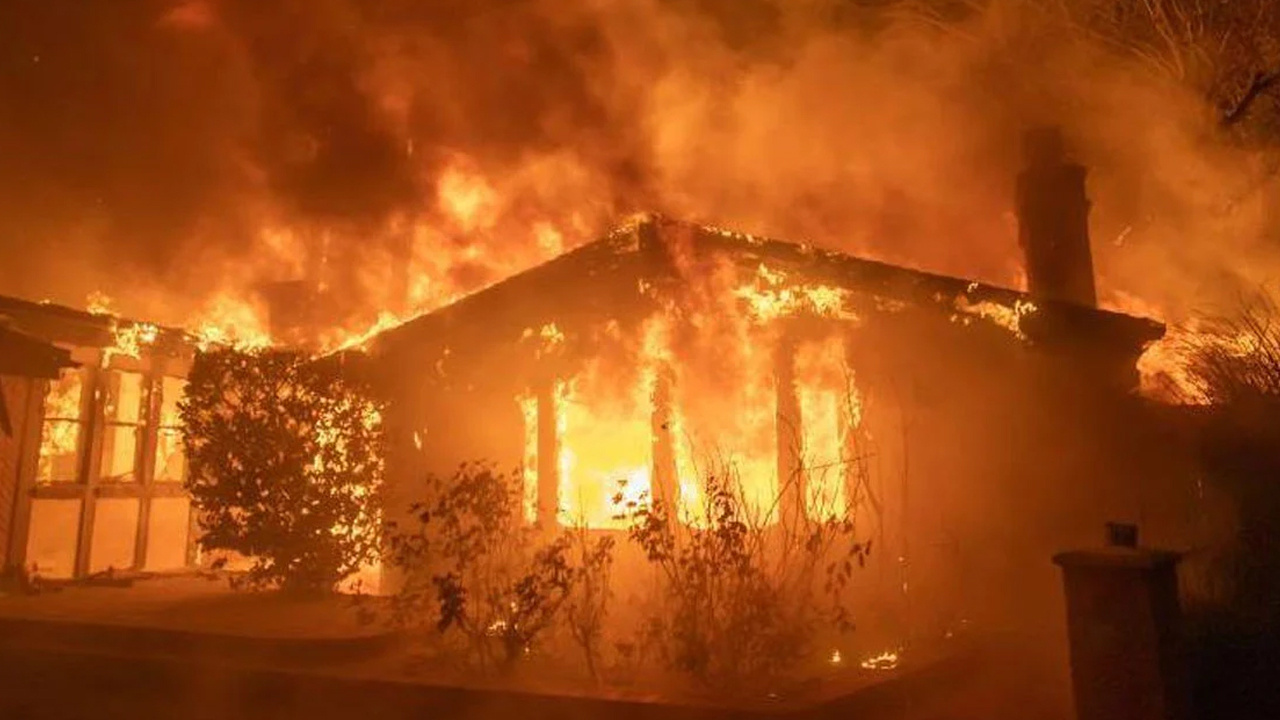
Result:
<point x="191" y="647"/>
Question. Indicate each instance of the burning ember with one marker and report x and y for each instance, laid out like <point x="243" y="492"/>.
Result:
<point x="1004" y="316"/>
<point x="887" y="660"/>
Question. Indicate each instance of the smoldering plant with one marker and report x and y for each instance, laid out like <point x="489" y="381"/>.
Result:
<point x="1235" y="359"/>
<point x="1234" y="364"/>
<point x="473" y="567"/>
<point x="746" y="594"/>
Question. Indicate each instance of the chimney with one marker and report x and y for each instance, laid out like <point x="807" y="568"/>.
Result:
<point x="292" y="310"/>
<point x="1053" y="221"/>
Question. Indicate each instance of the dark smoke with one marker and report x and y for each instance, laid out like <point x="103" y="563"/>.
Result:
<point x="146" y="146"/>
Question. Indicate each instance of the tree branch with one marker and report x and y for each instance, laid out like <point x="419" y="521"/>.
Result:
<point x="1261" y="83"/>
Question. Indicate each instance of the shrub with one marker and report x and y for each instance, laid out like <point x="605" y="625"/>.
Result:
<point x="1235" y="360"/>
<point x="285" y="467"/>
<point x="473" y="565"/>
<point x="744" y="602"/>
<point x="1235" y="365"/>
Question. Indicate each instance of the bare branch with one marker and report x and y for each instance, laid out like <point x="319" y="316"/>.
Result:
<point x="1261" y="83"/>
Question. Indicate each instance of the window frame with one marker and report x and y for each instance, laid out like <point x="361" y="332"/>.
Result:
<point x="141" y="425"/>
<point x="90" y="485"/>
<point x="84" y="425"/>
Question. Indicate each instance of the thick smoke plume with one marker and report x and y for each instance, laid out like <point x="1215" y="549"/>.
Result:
<point x="398" y="153"/>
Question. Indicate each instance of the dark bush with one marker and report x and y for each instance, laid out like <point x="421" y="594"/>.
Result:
<point x="285" y="467"/>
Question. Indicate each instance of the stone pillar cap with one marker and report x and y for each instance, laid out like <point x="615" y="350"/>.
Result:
<point x="1118" y="558"/>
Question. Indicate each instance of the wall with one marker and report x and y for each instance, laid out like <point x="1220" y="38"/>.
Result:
<point x="14" y="393"/>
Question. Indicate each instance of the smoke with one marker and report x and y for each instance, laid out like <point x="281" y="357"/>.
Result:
<point x="401" y="153"/>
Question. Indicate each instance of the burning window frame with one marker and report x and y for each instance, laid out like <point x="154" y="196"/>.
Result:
<point x="69" y="527"/>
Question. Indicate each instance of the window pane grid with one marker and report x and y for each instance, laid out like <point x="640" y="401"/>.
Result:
<point x="124" y="421"/>
<point x="170" y="460"/>
<point x="61" y="430"/>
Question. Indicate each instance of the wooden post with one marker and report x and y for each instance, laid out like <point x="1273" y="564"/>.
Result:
<point x="789" y="431"/>
<point x="90" y="462"/>
<point x="26" y="437"/>
<point x="145" y="465"/>
<point x="665" y="480"/>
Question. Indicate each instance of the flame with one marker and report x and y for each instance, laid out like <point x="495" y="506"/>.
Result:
<point x="548" y="338"/>
<point x="887" y="660"/>
<point x="1164" y="370"/>
<point x="231" y="321"/>
<point x="772" y="296"/>
<point x="1166" y="366"/>
<point x="606" y="446"/>
<point x="99" y="303"/>
<point x="60" y="433"/>
<point x="710" y="353"/>
<point x="339" y="340"/>
<point x="1008" y="317"/>
<point x="467" y="198"/>
<point x="830" y="410"/>
<point x="130" y="339"/>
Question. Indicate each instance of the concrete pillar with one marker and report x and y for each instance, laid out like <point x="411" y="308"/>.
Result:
<point x="1123" y="626"/>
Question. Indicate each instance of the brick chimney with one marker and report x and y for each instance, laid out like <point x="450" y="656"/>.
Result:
<point x="1053" y="221"/>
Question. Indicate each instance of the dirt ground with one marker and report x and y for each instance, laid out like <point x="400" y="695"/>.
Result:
<point x="190" y="647"/>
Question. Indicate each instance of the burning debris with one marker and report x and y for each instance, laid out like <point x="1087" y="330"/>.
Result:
<point x="887" y="660"/>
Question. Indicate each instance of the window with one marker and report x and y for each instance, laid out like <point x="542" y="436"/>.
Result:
<point x="171" y="462"/>
<point x="168" y="531"/>
<point x="61" y="431"/>
<point x="51" y="539"/>
<point x="122" y="434"/>
<point x="115" y="533"/>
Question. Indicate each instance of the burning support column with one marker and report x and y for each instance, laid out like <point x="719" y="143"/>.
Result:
<point x="790" y="475"/>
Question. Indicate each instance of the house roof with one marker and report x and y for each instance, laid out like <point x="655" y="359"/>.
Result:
<point x="26" y="356"/>
<point x="70" y="326"/>
<point x="598" y="277"/>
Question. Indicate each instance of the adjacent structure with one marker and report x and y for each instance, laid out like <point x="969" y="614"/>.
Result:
<point x="91" y="462"/>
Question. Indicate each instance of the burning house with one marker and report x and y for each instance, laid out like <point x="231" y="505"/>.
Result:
<point x="91" y="461"/>
<point x="946" y="416"/>
<point x="632" y="367"/>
